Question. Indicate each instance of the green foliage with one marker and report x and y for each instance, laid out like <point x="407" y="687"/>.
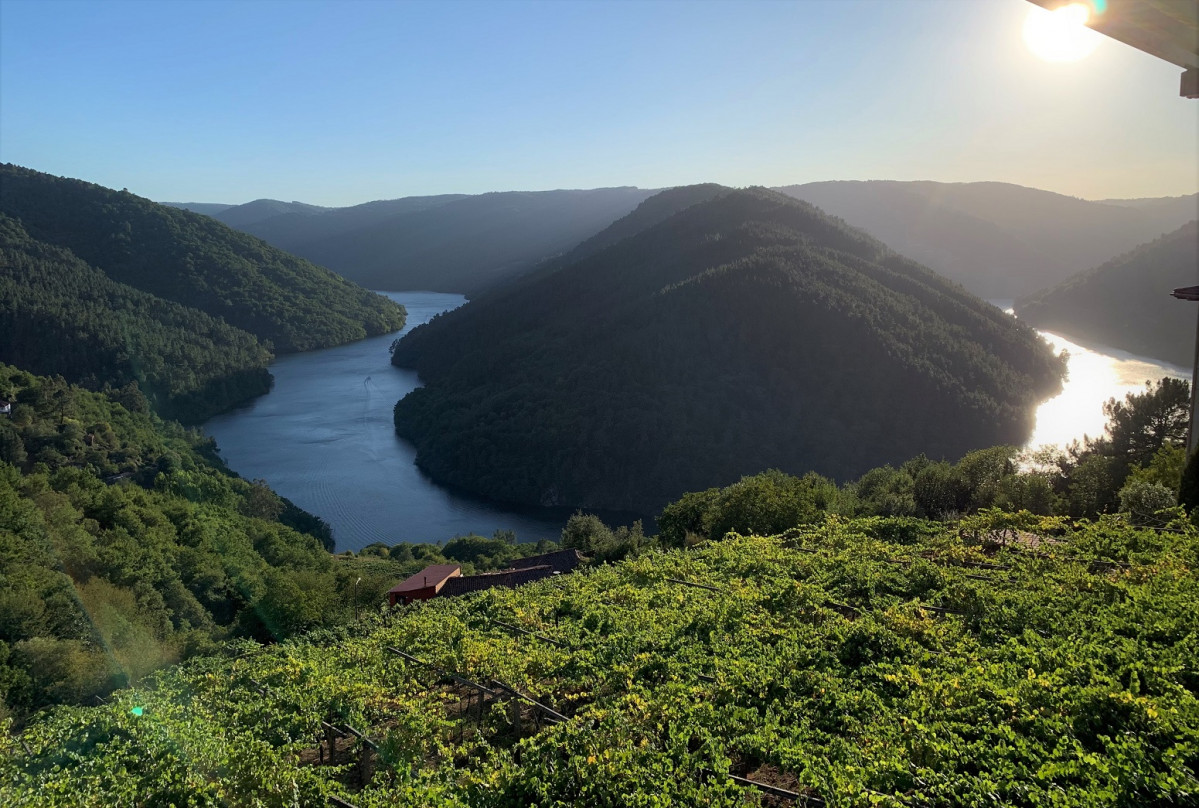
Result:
<point x="743" y="332"/>
<point x="196" y="261"/>
<point x="124" y="547"/>
<point x="65" y="317"/>
<point x="1145" y="502"/>
<point x="108" y="289"/>
<point x="1143" y="442"/>
<point x="817" y="663"/>
<point x="1144" y="423"/>
<point x="586" y="533"/>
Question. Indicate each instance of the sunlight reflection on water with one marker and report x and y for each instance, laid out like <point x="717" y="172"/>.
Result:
<point x="1094" y="377"/>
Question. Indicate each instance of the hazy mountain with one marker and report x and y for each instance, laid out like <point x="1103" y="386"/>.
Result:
<point x="449" y="243"/>
<point x="260" y="210"/>
<point x="207" y="208"/>
<point x="1182" y="208"/>
<point x="714" y="333"/>
<point x="1126" y="302"/>
<point x="996" y="239"/>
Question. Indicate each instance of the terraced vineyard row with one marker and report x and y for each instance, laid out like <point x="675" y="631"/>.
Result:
<point x="866" y="662"/>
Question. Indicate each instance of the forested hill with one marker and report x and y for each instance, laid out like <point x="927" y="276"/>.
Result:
<point x="61" y="316"/>
<point x="744" y="332"/>
<point x="1126" y="302"/>
<point x="196" y="261"/>
<point x="1000" y="241"/>
<point x="448" y="243"/>
<point x="126" y="545"/>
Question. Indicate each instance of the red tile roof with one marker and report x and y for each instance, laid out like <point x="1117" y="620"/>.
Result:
<point x="433" y="576"/>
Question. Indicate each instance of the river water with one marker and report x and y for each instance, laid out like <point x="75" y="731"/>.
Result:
<point x="323" y="437"/>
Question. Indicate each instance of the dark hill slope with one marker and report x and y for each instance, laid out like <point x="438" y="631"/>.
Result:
<point x="1126" y="302"/>
<point x="743" y="332"/>
<point x="446" y="243"/>
<point x="196" y="261"/>
<point x="60" y="316"/>
<point x="996" y="239"/>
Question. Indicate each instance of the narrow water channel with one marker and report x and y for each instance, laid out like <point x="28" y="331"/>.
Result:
<point x="323" y="437"/>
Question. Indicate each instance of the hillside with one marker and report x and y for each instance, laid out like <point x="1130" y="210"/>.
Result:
<point x="1000" y="241"/>
<point x="1126" y="303"/>
<point x="126" y="545"/>
<point x="744" y="332"/>
<point x="849" y="663"/>
<point x="288" y="225"/>
<point x="195" y="261"/>
<point x="449" y="243"/>
<point x="62" y="316"/>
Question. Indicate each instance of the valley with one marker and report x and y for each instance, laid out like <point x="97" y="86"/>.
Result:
<point x="323" y="437"/>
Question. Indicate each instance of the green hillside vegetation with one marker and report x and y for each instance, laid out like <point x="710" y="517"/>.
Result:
<point x="919" y="636"/>
<point x="194" y="260"/>
<point x="745" y="331"/>
<point x="61" y="316"/>
<point x="1000" y="241"/>
<point x="1126" y="303"/>
<point x="126" y="545"/>
<point x="869" y="662"/>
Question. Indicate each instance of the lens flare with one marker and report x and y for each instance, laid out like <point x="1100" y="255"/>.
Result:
<point x="1060" y="35"/>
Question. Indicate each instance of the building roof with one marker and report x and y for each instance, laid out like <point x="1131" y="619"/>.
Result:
<point x="559" y="560"/>
<point x="1167" y="29"/>
<point x="489" y="580"/>
<point x="435" y="576"/>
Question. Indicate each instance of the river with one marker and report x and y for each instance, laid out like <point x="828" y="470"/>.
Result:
<point x="323" y="437"/>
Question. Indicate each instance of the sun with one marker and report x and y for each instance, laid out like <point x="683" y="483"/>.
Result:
<point x="1060" y="35"/>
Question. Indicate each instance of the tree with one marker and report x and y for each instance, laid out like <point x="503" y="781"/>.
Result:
<point x="1144" y="422"/>
<point x="1143" y="501"/>
<point x="940" y="491"/>
<point x="685" y="517"/>
<point x="586" y="533"/>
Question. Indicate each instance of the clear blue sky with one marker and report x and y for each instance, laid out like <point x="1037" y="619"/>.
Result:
<point x="344" y="102"/>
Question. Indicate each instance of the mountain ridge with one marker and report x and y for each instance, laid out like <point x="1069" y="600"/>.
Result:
<point x="108" y="288"/>
<point x="596" y="384"/>
<point x="1125" y="302"/>
<point x="1000" y="240"/>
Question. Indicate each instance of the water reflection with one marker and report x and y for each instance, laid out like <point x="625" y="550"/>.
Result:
<point x="1095" y="375"/>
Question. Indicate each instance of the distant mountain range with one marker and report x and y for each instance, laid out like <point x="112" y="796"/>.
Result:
<point x="106" y="288"/>
<point x="449" y="243"/>
<point x="1126" y="302"/>
<point x="712" y="333"/>
<point x="1000" y="241"/>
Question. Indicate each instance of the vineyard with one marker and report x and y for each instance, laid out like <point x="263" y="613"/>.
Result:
<point x="852" y="663"/>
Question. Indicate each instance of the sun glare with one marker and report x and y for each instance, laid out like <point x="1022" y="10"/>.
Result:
<point x="1060" y="35"/>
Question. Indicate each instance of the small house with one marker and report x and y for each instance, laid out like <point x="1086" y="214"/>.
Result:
<point x="424" y="585"/>
<point x="447" y="580"/>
